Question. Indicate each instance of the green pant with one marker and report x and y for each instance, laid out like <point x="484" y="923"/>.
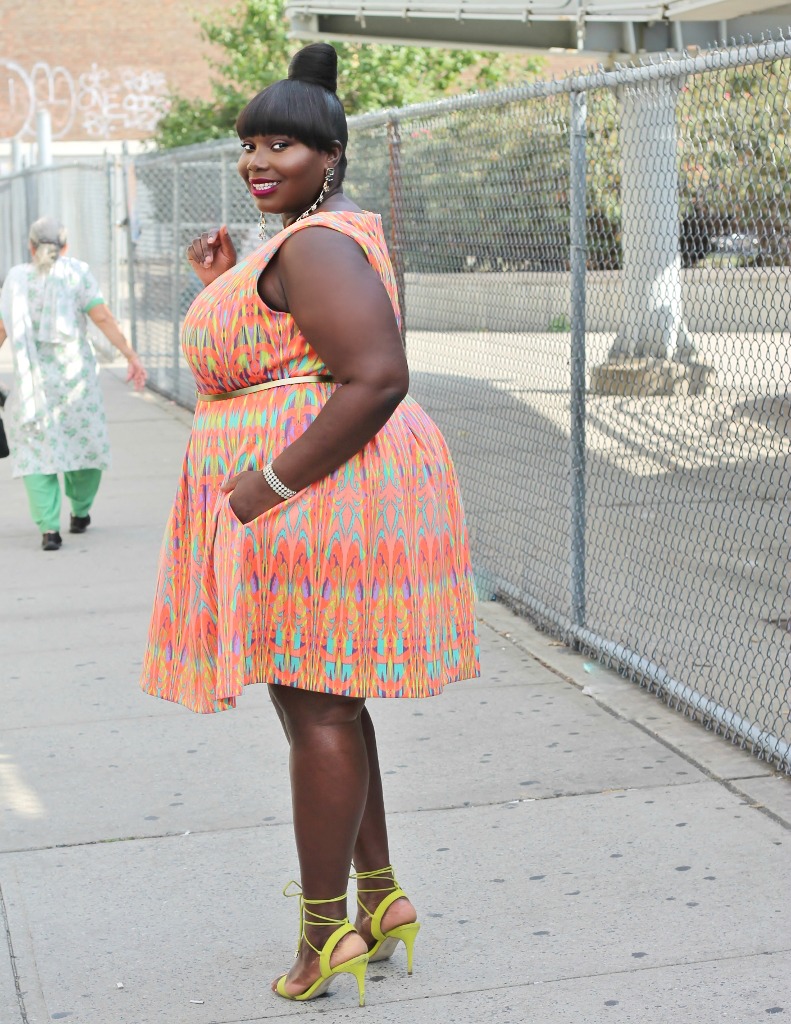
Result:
<point x="43" y="494"/>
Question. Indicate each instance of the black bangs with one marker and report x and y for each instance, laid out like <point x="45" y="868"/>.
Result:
<point x="306" y="112"/>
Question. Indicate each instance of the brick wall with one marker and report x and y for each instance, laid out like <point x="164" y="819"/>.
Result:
<point x="100" y="66"/>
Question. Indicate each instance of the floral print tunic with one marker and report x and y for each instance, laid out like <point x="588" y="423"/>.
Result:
<point x="54" y="416"/>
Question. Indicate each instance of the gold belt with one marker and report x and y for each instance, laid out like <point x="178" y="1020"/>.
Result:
<point x="311" y="378"/>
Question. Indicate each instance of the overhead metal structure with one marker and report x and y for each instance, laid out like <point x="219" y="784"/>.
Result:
<point x="582" y="26"/>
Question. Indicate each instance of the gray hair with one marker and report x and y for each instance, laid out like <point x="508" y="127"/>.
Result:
<point x="48" y="238"/>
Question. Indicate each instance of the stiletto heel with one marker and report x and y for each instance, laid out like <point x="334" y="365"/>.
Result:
<point x="407" y="933"/>
<point x="386" y="941"/>
<point x="357" y="966"/>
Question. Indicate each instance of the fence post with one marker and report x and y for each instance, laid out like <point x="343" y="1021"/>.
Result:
<point x="578" y="227"/>
<point x="112" y="248"/>
<point x="396" y="209"/>
<point x="223" y="189"/>
<point x="44" y="137"/>
<point x="652" y="323"/>
<point x="126" y="171"/>
<point x="175" y="290"/>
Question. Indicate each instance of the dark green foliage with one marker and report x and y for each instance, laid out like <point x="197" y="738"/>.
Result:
<point x="252" y="37"/>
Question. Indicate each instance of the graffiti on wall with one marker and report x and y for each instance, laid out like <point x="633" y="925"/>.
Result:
<point x="98" y="103"/>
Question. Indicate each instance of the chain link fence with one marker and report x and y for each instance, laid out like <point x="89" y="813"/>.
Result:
<point x="174" y="197"/>
<point x="86" y="196"/>
<point x="595" y="276"/>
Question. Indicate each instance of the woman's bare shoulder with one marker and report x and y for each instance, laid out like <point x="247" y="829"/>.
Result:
<point x="320" y="235"/>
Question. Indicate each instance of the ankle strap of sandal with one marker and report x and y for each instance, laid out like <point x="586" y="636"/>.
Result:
<point x="361" y="876"/>
<point x="394" y="892"/>
<point x="316" y="920"/>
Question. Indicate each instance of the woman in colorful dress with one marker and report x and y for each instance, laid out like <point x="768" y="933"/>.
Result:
<point x="55" y="414"/>
<point x="317" y="541"/>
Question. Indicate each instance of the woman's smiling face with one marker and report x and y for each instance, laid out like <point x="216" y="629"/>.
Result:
<point x="282" y="174"/>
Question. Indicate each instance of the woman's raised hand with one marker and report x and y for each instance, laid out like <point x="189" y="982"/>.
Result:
<point x="211" y="254"/>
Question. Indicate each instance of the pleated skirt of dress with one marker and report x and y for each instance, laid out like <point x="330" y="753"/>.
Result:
<point x="360" y="585"/>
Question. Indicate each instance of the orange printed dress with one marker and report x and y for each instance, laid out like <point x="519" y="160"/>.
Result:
<point x="359" y="585"/>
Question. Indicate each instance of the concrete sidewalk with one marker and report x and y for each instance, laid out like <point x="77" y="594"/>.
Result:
<point x="577" y="852"/>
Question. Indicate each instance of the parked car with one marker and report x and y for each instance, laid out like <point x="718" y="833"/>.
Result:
<point x="737" y="244"/>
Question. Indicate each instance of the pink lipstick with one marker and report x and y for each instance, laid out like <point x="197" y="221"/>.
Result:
<point x="262" y="186"/>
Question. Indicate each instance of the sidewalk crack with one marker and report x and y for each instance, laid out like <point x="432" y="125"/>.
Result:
<point x="12" y="958"/>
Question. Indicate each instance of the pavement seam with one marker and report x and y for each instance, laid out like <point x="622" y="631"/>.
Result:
<point x="12" y="958"/>
<point x="519" y="985"/>
<point x="391" y="814"/>
<point x="752" y="802"/>
<point x="148" y="716"/>
<point x="647" y="730"/>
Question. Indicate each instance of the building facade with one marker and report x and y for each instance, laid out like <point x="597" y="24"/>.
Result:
<point x="103" y="70"/>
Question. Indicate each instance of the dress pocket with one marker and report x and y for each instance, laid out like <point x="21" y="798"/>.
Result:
<point x="257" y="519"/>
<point x="227" y="501"/>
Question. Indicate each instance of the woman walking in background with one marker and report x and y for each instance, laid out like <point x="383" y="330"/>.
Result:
<point x="55" y="413"/>
<point x="317" y="541"/>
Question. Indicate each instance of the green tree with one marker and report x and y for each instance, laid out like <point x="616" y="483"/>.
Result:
<point x="252" y="39"/>
<point x="736" y="157"/>
<point x="488" y="189"/>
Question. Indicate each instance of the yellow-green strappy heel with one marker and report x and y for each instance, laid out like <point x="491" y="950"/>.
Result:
<point x="386" y="941"/>
<point x="357" y="966"/>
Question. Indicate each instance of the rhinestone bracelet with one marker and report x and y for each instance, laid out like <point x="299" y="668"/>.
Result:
<point x="276" y="483"/>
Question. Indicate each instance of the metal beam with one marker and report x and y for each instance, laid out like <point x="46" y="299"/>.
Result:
<point x="610" y="26"/>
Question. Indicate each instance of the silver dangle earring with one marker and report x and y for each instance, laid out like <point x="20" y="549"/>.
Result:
<point x="329" y="177"/>
<point x="262" y="232"/>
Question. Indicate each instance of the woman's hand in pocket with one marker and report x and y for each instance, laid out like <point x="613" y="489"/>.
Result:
<point x="251" y="495"/>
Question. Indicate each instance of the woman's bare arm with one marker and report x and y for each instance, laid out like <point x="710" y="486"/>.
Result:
<point x="341" y="306"/>
<point x="106" y="323"/>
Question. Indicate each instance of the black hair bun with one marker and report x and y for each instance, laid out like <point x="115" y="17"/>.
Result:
<point x="316" y="64"/>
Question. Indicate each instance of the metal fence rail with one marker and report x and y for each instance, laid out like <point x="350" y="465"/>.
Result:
<point x="595" y="275"/>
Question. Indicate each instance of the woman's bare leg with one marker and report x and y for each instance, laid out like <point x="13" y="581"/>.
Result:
<point x="329" y="787"/>
<point x="371" y="849"/>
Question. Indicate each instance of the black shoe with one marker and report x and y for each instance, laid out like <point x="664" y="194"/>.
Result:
<point x="51" y="541"/>
<point x="79" y="524"/>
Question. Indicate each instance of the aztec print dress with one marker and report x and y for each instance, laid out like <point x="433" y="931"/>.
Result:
<point x="361" y="584"/>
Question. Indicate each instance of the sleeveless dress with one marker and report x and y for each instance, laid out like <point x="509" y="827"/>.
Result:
<point x="361" y="584"/>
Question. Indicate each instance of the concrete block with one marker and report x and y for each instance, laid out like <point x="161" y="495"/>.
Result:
<point x="626" y="888"/>
<point x="641" y="377"/>
<point x="705" y="749"/>
<point x="742" y="989"/>
<point x="771" y="791"/>
<point x="481" y="742"/>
